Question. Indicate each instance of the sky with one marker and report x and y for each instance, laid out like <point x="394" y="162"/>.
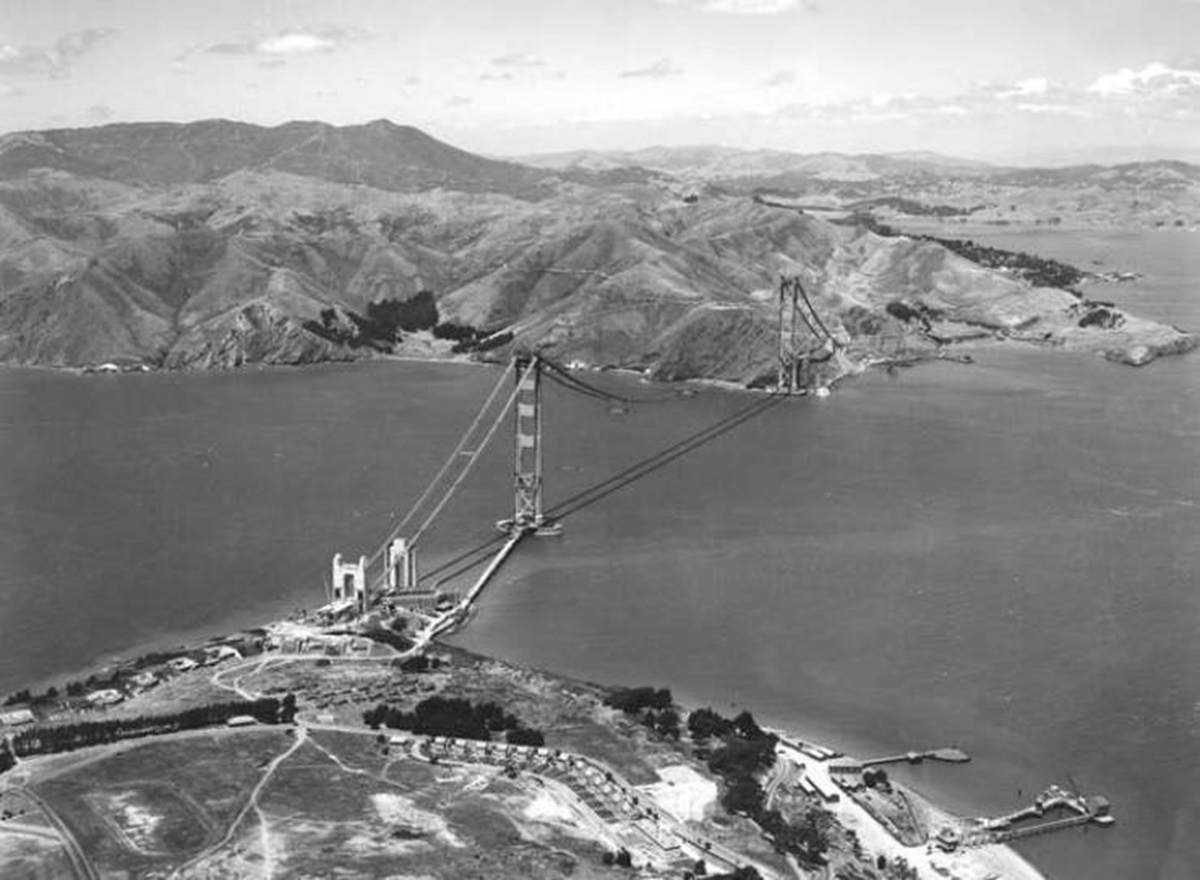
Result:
<point x="1001" y="80"/>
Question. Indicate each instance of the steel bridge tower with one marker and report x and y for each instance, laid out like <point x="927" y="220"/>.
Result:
<point x="527" y="464"/>
<point x="789" y="309"/>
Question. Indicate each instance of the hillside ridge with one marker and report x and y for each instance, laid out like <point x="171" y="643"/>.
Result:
<point x="216" y="244"/>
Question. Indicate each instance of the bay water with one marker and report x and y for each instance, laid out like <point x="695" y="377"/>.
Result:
<point x="1001" y="556"/>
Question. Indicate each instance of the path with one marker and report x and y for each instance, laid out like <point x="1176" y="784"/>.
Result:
<point x="80" y="864"/>
<point x="251" y="804"/>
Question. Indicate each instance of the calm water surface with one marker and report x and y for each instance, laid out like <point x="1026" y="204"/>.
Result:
<point x="1001" y="556"/>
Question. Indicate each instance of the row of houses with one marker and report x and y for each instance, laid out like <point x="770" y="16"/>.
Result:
<point x="315" y="643"/>
<point x="604" y="793"/>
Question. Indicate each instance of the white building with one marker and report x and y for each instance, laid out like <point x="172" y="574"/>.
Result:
<point x="106" y="697"/>
<point x="16" y="717"/>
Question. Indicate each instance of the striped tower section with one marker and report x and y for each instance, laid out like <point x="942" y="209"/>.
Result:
<point x="527" y="475"/>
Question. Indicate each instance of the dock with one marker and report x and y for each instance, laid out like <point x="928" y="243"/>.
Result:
<point x="1080" y="810"/>
<point x="949" y="755"/>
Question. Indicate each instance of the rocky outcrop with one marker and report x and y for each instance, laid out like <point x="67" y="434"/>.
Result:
<point x="254" y="334"/>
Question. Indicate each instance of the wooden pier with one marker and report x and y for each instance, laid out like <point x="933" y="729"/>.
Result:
<point x="949" y="755"/>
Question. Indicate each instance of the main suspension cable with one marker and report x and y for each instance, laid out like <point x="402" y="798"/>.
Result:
<point x="652" y="463"/>
<point x="474" y="454"/>
<point x="450" y="460"/>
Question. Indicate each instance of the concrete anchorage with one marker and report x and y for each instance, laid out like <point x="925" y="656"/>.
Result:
<point x="350" y="582"/>
<point x="400" y="561"/>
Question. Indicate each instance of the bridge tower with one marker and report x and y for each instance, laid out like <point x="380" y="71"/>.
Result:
<point x="527" y="457"/>
<point x="789" y="309"/>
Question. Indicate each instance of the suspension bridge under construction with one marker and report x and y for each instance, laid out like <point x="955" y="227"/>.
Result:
<point x="356" y="585"/>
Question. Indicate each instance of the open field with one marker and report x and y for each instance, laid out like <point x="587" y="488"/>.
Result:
<point x="336" y="804"/>
<point x="333" y="797"/>
<point x="151" y="805"/>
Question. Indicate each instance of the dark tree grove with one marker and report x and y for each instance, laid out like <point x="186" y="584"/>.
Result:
<point x="448" y="716"/>
<point x="634" y="700"/>
<point x="524" y="736"/>
<point x="382" y="325"/>
<point x="742" y="751"/>
<point x="37" y="741"/>
<point x="1039" y="271"/>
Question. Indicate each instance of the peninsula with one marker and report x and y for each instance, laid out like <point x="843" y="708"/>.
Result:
<point x="331" y="742"/>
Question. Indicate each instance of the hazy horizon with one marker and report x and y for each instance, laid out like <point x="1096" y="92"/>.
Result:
<point x="1105" y="81"/>
<point x="1103" y="155"/>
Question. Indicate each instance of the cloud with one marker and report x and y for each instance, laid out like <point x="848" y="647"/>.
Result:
<point x="1155" y="78"/>
<point x="521" y="60"/>
<point x="289" y="44"/>
<point x="412" y="81"/>
<point x="99" y="113"/>
<point x="1037" y="85"/>
<point x="458" y="101"/>
<point x="745" y="7"/>
<point x="779" y="78"/>
<point x="56" y="60"/>
<point x="514" y="65"/>
<point x="1154" y="92"/>
<point x="660" y="69"/>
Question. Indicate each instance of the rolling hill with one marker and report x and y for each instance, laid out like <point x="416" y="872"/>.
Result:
<point x="1147" y="194"/>
<point x="215" y="244"/>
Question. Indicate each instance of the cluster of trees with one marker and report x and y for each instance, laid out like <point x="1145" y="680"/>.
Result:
<point x="651" y="707"/>
<point x="387" y="320"/>
<point x="7" y="761"/>
<point x="525" y="736"/>
<point x="621" y="858"/>
<point x="419" y="663"/>
<point x="268" y="710"/>
<point x="1039" y="271"/>
<point x="1101" y="315"/>
<point x="921" y="312"/>
<point x="918" y="209"/>
<point x="634" y="700"/>
<point x="738" y="750"/>
<point x="382" y="326"/>
<point x="21" y="696"/>
<point x="451" y="716"/>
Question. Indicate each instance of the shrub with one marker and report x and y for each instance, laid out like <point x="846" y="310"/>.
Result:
<point x="633" y="700"/>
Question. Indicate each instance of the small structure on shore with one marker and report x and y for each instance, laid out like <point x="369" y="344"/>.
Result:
<point x="106" y="697"/>
<point x="349" y="580"/>
<point x="16" y="718"/>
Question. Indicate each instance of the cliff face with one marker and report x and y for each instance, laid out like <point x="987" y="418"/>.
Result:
<point x="115" y="245"/>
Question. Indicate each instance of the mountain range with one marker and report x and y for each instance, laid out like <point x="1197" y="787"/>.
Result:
<point x="217" y="243"/>
<point x="1148" y="194"/>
